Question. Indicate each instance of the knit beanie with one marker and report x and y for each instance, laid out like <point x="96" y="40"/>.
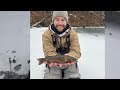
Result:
<point x="60" y="13"/>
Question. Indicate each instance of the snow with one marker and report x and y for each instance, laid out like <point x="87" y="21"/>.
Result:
<point x="91" y="64"/>
<point x="14" y="40"/>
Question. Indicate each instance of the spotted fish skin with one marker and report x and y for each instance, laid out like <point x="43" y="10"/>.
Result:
<point x="57" y="59"/>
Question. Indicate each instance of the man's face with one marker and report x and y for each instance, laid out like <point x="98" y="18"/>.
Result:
<point x="60" y="23"/>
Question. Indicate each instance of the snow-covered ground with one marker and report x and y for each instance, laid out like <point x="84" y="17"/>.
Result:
<point x="91" y="64"/>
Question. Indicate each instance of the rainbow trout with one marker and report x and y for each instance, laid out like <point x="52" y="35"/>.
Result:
<point x="57" y="59"/>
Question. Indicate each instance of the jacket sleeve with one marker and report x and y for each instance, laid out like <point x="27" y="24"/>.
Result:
<point x="75" y="46"/>
<point x="48" y="48"/>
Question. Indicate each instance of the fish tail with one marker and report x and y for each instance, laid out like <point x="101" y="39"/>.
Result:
<point x="41" y="60"/>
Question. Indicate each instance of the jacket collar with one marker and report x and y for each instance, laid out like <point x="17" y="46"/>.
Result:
<point x="55" y="31"/>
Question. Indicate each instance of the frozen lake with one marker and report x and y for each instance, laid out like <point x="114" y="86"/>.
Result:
<point x="92" y="62"/>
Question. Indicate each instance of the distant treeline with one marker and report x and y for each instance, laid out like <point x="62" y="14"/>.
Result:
<point x="76" y="18"/>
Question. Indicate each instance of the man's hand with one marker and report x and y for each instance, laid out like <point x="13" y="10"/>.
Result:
<point x="60" y="65"/>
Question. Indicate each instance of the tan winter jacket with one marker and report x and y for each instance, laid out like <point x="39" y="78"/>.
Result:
<point x="49" y="50"/>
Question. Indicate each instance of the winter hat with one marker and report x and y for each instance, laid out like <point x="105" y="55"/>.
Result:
<point x="60" y="13"/>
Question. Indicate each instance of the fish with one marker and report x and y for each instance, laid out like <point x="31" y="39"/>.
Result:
<point x="60" y="59"/>
<point x="18" y="67"/>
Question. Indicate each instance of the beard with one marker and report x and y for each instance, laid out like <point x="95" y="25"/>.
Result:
<point x="60" y="27"/>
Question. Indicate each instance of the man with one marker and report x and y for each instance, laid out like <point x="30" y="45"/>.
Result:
<point x="61" y="38"/>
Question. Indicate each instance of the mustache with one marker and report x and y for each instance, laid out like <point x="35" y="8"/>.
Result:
<point x="60" y="25"/>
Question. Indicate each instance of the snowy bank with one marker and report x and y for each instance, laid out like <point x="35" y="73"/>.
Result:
<point x="91" y="63"/>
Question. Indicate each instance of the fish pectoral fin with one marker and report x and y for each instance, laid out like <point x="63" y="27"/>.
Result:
<point x="65" y="58"/>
